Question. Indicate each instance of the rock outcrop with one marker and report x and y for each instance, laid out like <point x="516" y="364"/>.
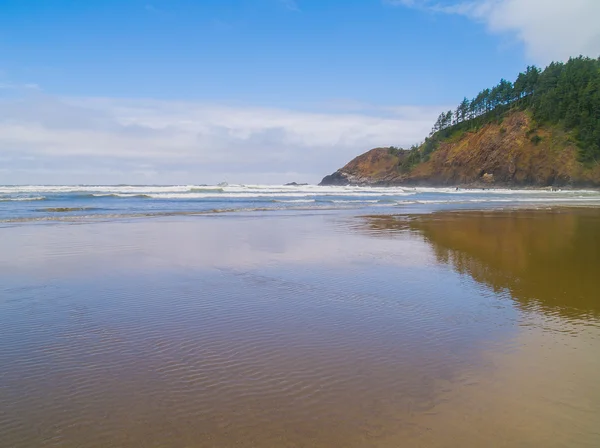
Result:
<point x="513" y="152"/>
<point x="378" y="166"/>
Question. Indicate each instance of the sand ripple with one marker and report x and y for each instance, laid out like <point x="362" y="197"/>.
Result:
<point x="365" y="352"/>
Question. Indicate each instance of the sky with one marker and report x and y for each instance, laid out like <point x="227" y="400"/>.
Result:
<point x="251" y="91"/>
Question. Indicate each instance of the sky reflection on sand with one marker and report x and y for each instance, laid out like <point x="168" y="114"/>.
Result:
<point x="308" y="330"/>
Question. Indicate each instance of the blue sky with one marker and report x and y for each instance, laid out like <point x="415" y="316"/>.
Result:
<point x="178" y="91"/>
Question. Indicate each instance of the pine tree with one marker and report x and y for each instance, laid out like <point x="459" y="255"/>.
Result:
<point x="568" y="93"/>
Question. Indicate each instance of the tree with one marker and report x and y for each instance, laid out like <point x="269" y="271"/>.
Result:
<point x="487" y="106"/>
<point x="472" y="109"/>
<point x="478" y="104"/>
<point x="495" y="97"/>
<point x="532" y="76"/>
<point x="505" y="91"/>
<point x="463" y="109"/>
<point x="439" y="124"/>
<point x="448" y="119"/>
<point x="520" y="87"/>
<point x="568" y="93"/>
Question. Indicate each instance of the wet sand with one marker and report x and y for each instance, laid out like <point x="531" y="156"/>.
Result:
<point x="461" y="329"/>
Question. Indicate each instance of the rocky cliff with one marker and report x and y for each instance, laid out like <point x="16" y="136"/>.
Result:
<point x="512" y="151"/>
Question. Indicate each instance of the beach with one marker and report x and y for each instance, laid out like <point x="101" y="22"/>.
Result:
<point x="418" y="324"/>
<point x="300" y="224"/>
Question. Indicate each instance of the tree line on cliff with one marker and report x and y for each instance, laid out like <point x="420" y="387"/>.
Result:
<point x="563" y="93"/>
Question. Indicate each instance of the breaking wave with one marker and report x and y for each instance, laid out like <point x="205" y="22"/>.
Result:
<point x="80" y="202"/>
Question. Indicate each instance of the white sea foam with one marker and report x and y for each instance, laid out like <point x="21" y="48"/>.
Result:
<point x="141" y="199"/>
<point x="22" y="199"/>
<point x="295" y="201"/>
<point x="355" y="201"/>
<point x="271" y="189"/>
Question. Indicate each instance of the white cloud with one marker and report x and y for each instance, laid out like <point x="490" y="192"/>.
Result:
<point x="549" y="29"/>
<point x="96" y="140"/>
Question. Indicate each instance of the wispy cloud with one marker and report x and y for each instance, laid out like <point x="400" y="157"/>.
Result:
<point x="220" y="25"/>
<point x="157" y="11"/>
<point x="25" y="86"/>
<point x="46" y="139"/>
<point x="408" y="3"/>
<point x="291" y="5"/>
<point x="151" y="8"/>
<point x="549" y="29"/>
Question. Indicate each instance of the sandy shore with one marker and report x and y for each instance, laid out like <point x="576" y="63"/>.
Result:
<point x="309" y="329"/>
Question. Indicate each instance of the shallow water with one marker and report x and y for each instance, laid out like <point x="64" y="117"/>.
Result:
<point x="459" y="329"/>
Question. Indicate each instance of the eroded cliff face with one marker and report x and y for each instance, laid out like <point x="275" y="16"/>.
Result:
<point x="512" y="153"/>
<point x="375" y="167"/>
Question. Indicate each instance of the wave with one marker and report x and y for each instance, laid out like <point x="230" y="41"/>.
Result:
<point x="66" y="209"/>
<point x="294" y="201"/>
<point x="80" y="202"/>
<point x="35" y="198"/>
<point x="119" y="195"/>
<point x="161" y="191"/>
<point x="590" y="200"/>
<point x="159" y="214"/>
<point x="206" y="189"/>
<point x="353" y="201"/>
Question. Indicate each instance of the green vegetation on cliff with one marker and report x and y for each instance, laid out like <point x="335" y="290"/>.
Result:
<point x="541" y="130"/>
<point x="566" y="95"/>
<point x="514" y="150"/>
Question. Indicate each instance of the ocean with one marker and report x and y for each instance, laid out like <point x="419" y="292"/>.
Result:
<point x="31" y="203"/>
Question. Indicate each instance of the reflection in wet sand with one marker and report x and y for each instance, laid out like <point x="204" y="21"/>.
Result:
<point x="545" y="258"/>
<point x="442" y="330"/>
<point x="540" y="387"/>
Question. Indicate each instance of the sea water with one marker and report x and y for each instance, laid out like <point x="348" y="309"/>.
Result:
<point x="29" y="203"/>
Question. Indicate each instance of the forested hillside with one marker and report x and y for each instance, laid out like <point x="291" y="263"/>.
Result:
<point x="542" y="129"/>
<point x="563" y="93"/>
